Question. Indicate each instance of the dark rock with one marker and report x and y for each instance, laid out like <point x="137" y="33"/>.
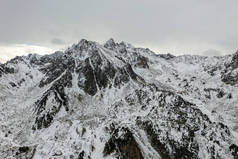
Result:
<point x="110" y="44"/>
<point x="9" y="70"/>
<point x="45" y="118"/>
<point x="125" y="146"/>
<point x="24" y="152"/>
<point x="234" y="150"/>
<point x="89" y="85"/>
<point x="56" y="67"/>
<point x="228" y="76"/>
<point x="220" y="94"/>
<point x="167" y="56"/>
<point x="208" y="91"/>
<point x="12" y="84"/>
<point x="142" y="62"/>
<point x="229" y="96"/>
<point x="23" y="149"/>
<point x="21" y="81"/>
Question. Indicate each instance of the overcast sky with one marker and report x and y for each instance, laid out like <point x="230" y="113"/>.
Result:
<point x="206" y="27"/>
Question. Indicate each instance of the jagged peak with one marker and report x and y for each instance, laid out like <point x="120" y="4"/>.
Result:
<point x="84" y="43"/>
<point x="80" y="46"/>
<point x="110" y="43"/>
<point x="235" y="55"/>
<point x="167" y="56"/>
<point x="234" y="60"/>
<point x="127" y="45"/>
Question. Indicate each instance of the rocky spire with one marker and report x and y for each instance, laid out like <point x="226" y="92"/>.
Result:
<point x="110" y="44"/>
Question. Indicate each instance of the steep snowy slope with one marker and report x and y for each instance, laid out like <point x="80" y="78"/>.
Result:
<point x="118" y="101"/>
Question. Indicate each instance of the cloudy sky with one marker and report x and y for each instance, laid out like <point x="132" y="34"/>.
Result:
<point x="206" y="27"/>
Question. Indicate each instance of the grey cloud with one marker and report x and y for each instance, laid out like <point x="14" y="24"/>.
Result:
<point x="169" y="24"/>
<point x="57" y="41"/>
<point x="212" y="52"/>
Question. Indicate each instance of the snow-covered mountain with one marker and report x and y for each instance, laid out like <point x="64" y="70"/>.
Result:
<point x="96" y="101"/>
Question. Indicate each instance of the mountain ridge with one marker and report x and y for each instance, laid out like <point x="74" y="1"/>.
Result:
<point x="107" y="101"/>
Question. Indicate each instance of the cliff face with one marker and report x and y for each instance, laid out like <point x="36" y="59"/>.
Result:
<point x="118" y="101"/>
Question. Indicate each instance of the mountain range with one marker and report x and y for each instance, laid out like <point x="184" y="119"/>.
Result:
<point x="116" y="101"/>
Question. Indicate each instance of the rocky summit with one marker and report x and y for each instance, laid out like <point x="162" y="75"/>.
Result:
<point x="116" y="101"/>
